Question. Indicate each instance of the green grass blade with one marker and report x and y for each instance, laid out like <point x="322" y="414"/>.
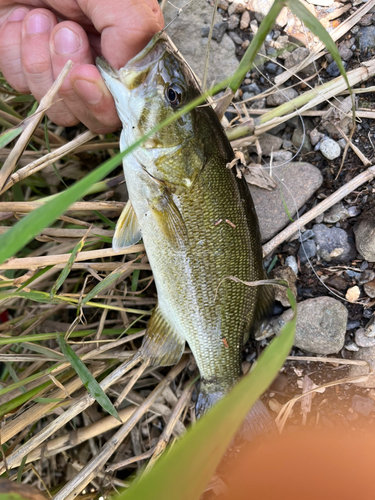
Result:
<point x="256" y="43"/>
<point x="87" y="379"/>
<point x="33" y="278"/>
<point x="23" y="398"/>
<point x="314" y="25"/>
<point x="64" y="273"/>
<point x="185" y="471"/>
<point x="8" y="136"/>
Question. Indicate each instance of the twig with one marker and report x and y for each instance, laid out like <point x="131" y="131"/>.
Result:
<point x="73" y="487"/>
<point x="350" y="186"/>
<point x="45" y="103"/>
<point x="84" y="206"/>
<point x="361" y="156"/>
<point x="129" y="386"/>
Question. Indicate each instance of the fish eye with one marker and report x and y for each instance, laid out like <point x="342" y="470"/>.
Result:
<point x="174" y="95"/>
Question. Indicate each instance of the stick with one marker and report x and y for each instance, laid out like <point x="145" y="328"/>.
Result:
<point x="84" y="206"/>
<point x="350" y="186"/>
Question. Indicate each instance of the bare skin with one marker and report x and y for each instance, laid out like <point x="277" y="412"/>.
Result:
<point x="37" y="38"/>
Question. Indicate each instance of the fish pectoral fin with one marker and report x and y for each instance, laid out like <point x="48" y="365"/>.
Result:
<point x="128" y="231"/>
<point x="162" y="345"/>
<point x="169" y="220"/>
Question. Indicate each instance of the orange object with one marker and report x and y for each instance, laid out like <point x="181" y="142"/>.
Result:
<point x="335" y="23"/>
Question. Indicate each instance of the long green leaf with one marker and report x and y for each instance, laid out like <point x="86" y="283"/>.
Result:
<point x="185" y="471"/>
<point x="87" y="378"/>
<point x="67" y="268"/>
<point x="8" y="136"/>
<point x="23" y="398"/>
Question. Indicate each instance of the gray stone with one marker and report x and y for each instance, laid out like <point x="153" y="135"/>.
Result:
<point x="363" y="406"/>
<point x="301" y="179"/>
<point x="236" y="7"/>
<point x="282" y="156"/>
<point x="271" y="67"/>
<point x="315" y="137"/>
<point x="364" y="354"/>
<point x="300" y="135"/>
<point x="292" y="263"/>
<point x="366" y="276"/>
<point x="247" y="95"/>
<point x="217" y="33"/>
<point x="363" y="340"/>
<point x="307" y="250"/>
<point x="268" y="143"/>
<point x="296" y="57"/>
<point x="287" y="274"/>
<point x="233" y="22"/>
<point x="369" y="289"/>
<point x="276" y="130"/>
<point x="364" y="232"/>
<point x="333" y="70"/>
<point x="186" y="34"/>
<point x="321" y="325"/>
<point x="336" y="213"/>
<point x="281" y="97"/>
<point x="366" y="38"/>
<point x="254" y="26"/>
<point x="252" y="87"/>
<point x="330" y="149"/>
<point x="345" y="52"/>
<point x="236" y="38"/>
<point x="333" y="244"/>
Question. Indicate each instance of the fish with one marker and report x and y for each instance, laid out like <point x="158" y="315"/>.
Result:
<point x="197" y="221"/>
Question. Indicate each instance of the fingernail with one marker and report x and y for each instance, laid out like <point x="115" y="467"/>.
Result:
<point x="17" y="15"/>
<point x="88" y="91"/>
<point x="66" y="41"/>
<point x="38" y="23"/>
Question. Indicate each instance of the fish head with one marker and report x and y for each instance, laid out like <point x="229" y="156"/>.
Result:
<point x="149" y="89"/>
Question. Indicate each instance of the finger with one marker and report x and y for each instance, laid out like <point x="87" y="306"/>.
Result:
<point x="126" y="27"/>
<point x="10" y="53"/>
<point x="84" y="92"/>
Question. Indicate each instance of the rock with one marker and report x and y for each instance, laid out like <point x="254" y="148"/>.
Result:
<point x="333" y="70"/>
<point x="278" y="98"/>
<point x="254" y="26"/>
<point x="366" y="276"/>
<point x="351" y="346"/>
<point x="337" y="282"/>
<point x="336" y="213"/>
<point x="236" y="38"/>
<point x="353" y="293"/>
<point x="321" y="325"/>
<point x="365" y="354"/>
<point x="252" y="87"/>
<point x="245" y="20"/>
<point x="260" y="8"/>
<point x="296" y="57"/>
<point x="345" y="52"/>
<point x="271" y="67"/>
<point x="276" y="130"/>
<point x="268" y="143"/>
<point x="364" y="232"/>
<point x="282" y="19"/>
<point x="369" y="289"/>
<point x="366" y="38"/>
<point x="337" y="115"/>
<point x="245" y="44"/>
<point x="352" y="325"/>
<point x="366" y="20"/>
<point x="300" y="139"/>
<point x="233" y="22"/>
<point x="282" y="156"/>
<point x="302" y="180"/>
<point x="363" y="406"/>
<point x="330" y="149"/>
<point x="292" y="263"/>
<point x="315" y="137"/>
<point x="287" y="274"/>
<point x="185" y="32"/>
<point x="287" y="144"/>
<point x="306" y="251"/>
<point x="236" y="7"/>
<point x="333" y="244"/>
<point x="217" y="33"/>
<point x="363" y="340"/>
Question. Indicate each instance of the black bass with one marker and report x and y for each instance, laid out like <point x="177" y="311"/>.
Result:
<point x="197" y="221"/>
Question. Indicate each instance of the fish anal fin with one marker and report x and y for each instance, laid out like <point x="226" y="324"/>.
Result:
<point x="162" y="345"/>
<point x="128" y="231"/>
<point x="169" y="220"/>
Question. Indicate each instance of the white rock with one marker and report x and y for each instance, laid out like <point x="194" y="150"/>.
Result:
<point x="330" y="149"/>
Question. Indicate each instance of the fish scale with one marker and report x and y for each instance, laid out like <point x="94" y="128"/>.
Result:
<point x="197" y="221"/>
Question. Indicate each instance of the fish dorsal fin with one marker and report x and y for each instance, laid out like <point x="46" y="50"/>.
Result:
<point x="264" y="306"/>
<point x="169" y="220"/>
<point x="128" y="231"/>
<point x="162" y="345"/>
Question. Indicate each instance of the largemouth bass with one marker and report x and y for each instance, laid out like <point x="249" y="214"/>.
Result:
<point x="197" y="221"/>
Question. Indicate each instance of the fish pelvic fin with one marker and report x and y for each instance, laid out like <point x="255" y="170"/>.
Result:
<point x="128" y="231"/>
<point x="169" y="220"/>
<point x="162" y="345"/>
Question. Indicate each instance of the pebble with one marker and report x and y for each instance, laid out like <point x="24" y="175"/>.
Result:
<point x="365" y="354"/>
<point x="333" y="244"/>
<point x="217" y="33"/>
<point x="366" y="276"/>
<point x="351" y="325"/>
<point x="245" y="20"/>
<point x="363" y="406"/>
<point x="301" y="140"/>
<point x="185" y="32"/>
<point x="364" y="232"/>
<point x="333" y="70"/>
<point x="296" y="57"/>
<point x="302" y="179"/>
<point x="369" y="289"/>
<point x="306" y="251"/>
<point x="341" y="143"/>
<point x="345" y="52"/>
<point x="287" y="274"/>
<point x="366" y="37"/>
<point x="252" y="87"/>
<point x="330" y="149"/>
<point x="278" y="98"/>
<point x="254" y="26"/>
<point x="236" y="7"/>
<point x="268" y="143"/>
<point x="309" y="233"/>
<point x="315" y="137"/>
<point x="271" y="67"/>
<point x="233" y="22"/>
<point x="236" y="38"/>
<point x="336" y="213"/>
<point x="321" y="325"/>
<point x="287" y="144"/>
<point x="353" y="293"/>
<point x="363" y="340"/>
<point x="292" y="263"/>
<point x="351" y="346"/>
<point x="282" y="156"/>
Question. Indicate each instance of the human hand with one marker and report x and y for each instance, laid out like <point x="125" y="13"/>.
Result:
<point x="38" y="37"/>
